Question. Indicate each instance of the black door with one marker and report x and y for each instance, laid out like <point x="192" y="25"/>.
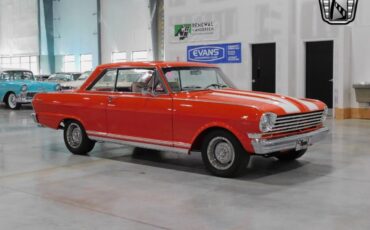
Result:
<point x="319" y="71"/>
<point x="263" y="67"/>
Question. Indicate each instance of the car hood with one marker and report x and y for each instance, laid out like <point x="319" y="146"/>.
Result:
<point x="73" y="84"/>
<point x="264" y="102"/>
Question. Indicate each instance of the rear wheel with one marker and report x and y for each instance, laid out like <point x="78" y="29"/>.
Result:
<point x="76" y="139"/>
<point x="11" y="101"/>
<point x="290" y="155"/>
<point x="223" y="155"/>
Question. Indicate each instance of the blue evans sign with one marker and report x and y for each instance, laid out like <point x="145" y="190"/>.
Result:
<point x="216" y="54"/>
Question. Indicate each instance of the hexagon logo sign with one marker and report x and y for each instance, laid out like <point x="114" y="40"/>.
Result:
<point x="338" y="12"/>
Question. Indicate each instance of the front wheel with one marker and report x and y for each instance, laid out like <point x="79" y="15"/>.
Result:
<point x="76" y="139"/>
<point x="223" y="155"/>
<point x="11" y="102"/>
<point x="290" y="155"/>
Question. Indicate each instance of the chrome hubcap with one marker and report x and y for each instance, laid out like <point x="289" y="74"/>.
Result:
<point x="221" y="153"/>
<point x="12" y="101"/>
<point x="74" y="135"/>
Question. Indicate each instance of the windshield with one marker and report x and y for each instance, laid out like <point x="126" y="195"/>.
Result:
<point x="196" y="78"/>
<point x="17" y="75"/>
<point x="61" y="77"/>
<point x="84" y="76"/>
<point x="76" y="76"/>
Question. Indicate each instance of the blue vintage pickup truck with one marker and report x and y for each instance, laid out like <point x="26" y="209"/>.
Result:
<point x="18" y="87"/>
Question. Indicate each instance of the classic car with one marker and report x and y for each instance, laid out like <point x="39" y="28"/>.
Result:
<point x="77" y="83"/>
<point x="18" y="87"/>
<point x="62" y="77"/>
<point x="182" y="107"/>
<point x="42" y="77"/>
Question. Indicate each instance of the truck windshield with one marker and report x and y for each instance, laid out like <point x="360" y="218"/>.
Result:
<point x="196" y="78"/>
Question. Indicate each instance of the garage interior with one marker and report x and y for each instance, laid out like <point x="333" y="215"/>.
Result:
<point x="286" y="48"/>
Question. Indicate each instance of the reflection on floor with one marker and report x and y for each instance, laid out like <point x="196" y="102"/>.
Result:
<point x="42" y="186"/>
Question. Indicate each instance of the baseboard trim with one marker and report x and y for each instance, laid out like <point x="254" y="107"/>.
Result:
<point x="352" y="113"/>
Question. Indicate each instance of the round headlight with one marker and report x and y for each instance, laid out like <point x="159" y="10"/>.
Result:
<point x="267" y="122"/>
<point x="24" y="88"/>
<point x="325" y="114"/>
<point x="58" y="87"/>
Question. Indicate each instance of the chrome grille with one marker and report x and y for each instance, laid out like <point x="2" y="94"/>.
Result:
<point x="297" y="122"/>
<point x="30" y="95"/>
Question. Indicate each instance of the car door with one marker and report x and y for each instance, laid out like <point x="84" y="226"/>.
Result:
<point x="91" y="104"/>
<point x="140" y="110"/>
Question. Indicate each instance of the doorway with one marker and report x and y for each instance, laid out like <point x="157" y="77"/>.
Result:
<point x="319" y="71"/>
<point x="264" y="67"/>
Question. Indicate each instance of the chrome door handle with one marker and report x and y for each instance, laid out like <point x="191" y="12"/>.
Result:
<point x="110" y="99"/>
<point x="253" y="81"/>
<point x="331" y="80"/>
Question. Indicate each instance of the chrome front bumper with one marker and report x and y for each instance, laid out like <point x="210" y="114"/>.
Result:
<point x="297" y="142"/>
<point x="25" y="98"/>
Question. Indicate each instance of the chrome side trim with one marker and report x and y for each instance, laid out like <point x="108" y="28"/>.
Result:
<point x="139" y="139"/>
<point x="96" y="133"/>
<point x="182" y="144"/>
<point x="267" y="147"/>
<point x="139" y="144"/>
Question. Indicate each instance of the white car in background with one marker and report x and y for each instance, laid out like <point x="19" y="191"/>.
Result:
<point x="77" y="83"/>
<point x="63" y="77"/>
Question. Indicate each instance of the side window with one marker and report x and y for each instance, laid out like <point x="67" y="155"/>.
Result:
<point x="173" y="79"/>
<point x="135" y="80"/>
<point x="18" y="75"/>
<point x="106" y="83"/>
<point x="9" y="76"/>
<point x="5" y="76"/>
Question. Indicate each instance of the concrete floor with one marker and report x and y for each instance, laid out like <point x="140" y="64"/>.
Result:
<point x="42" y="186"/>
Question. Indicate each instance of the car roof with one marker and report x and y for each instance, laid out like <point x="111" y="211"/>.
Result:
<point x="10" y="69"/>
<point x="67" y="73"/>
<point x="160" y="64"/>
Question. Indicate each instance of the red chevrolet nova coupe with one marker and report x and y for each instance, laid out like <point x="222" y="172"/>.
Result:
<point x="182" y="107"/>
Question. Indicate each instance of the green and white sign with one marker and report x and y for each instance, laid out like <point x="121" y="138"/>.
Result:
<point x="196" y="31"/>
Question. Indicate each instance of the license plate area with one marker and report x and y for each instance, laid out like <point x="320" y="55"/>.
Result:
<point x="302" y="144"/>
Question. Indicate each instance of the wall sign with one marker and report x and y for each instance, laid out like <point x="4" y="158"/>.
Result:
<point x="215" y="54"/>
<point x="196" y="31"/>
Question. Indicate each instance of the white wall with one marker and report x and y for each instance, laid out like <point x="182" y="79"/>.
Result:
<point x="75" y="30"/>
<point x="18" y="28"/>
<point x="288" y="23"/>
<point x="360" y="42"/>
<point x="125" y="27"/>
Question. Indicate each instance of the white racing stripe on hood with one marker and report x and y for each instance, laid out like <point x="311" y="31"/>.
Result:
<point x="311" y="106"/>
<point x="292" y="108"/>
<point x="287" y="107"/>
